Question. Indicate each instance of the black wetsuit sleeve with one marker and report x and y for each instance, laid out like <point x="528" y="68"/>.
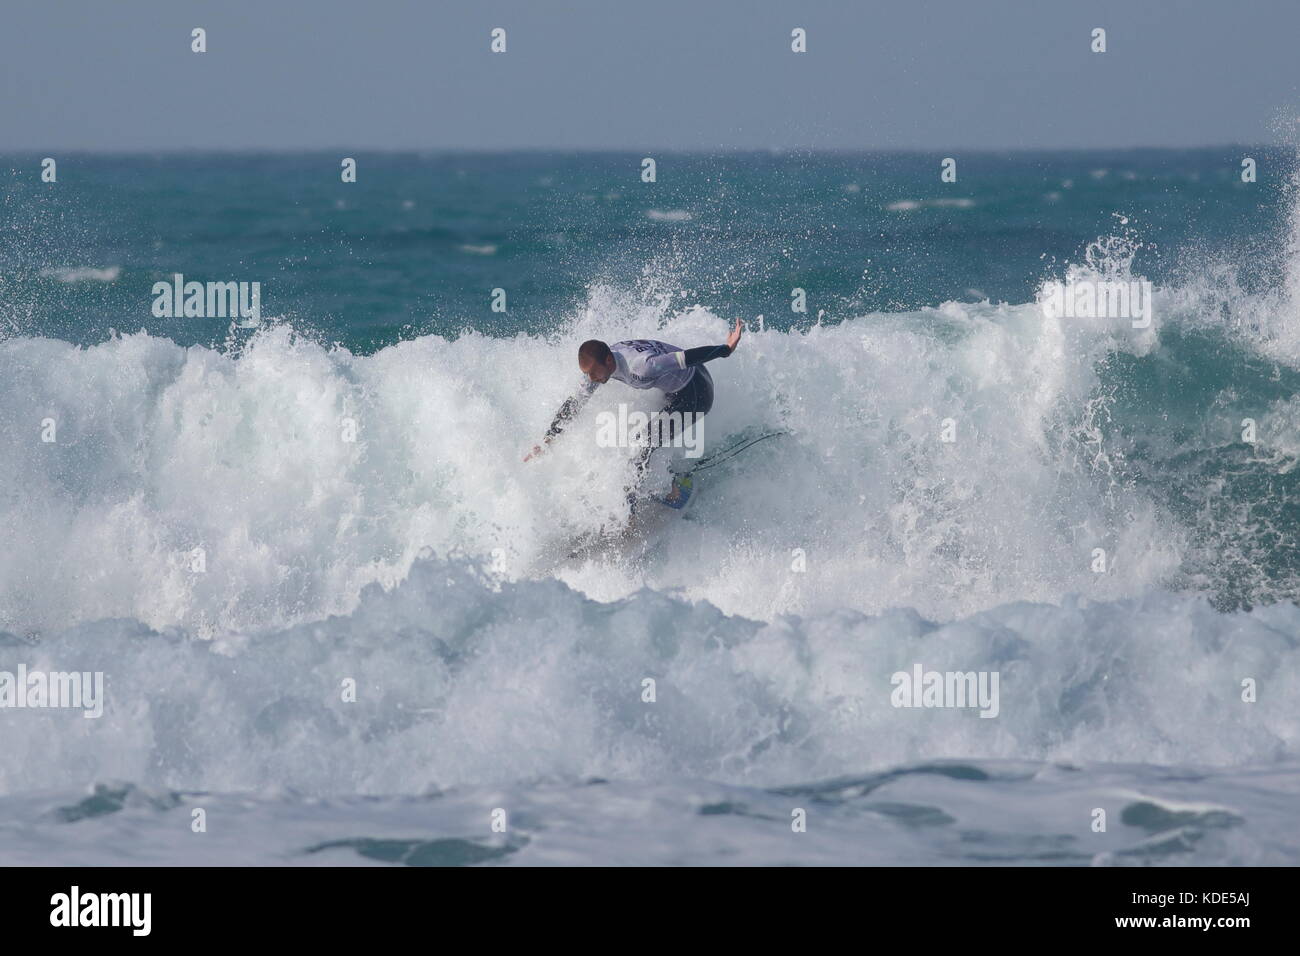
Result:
<point x="705" y="353"/>
<point x="572" y="405"/>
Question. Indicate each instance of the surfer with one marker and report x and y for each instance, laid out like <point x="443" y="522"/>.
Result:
<point x="646" y="363"/>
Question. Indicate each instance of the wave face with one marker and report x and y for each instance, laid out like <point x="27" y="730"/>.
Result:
<point x="161" y="450"/>
<point x="305" y="473"/>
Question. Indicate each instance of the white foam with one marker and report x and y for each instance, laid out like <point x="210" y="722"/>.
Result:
<point x="82" y="273"/>
<point x="908" y="205"/>
<point x="462" y="680"/>
<point x="668" y="215"/>
<point x="162" y="450"/>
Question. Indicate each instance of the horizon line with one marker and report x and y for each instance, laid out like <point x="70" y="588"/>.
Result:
<point x="625" y="150"/>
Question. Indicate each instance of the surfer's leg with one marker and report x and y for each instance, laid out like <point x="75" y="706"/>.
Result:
<point x="685" y="409"/>
<point x="696" y="399"/>
<point x="642" y="465"/>
<point x="642" y="461"/>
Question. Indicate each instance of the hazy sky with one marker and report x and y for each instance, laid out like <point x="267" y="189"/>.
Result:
<point x="668" y="74"/>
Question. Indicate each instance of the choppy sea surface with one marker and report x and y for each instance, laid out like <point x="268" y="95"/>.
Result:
<point x="421" y="568"/>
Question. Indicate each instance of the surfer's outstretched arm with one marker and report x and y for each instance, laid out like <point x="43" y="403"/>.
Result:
<point x="572" y="405"/>
<point x="686" y="358"/>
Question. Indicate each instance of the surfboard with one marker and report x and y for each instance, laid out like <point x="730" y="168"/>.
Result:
<point x="685" y="471"/>
<point x="732" y="446"/>
<point x="655" y="511"/>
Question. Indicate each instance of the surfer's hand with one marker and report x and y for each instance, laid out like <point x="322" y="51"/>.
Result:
<point x="734" y="338"/>
<point x="537" y="450"/>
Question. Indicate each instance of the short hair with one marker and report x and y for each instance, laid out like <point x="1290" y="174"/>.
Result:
<point x="593" y="349"/>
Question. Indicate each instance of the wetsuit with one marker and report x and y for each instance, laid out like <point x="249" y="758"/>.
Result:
<point x="646" y="363"/>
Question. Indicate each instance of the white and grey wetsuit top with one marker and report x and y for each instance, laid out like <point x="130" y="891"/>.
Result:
<point x="646" y="363"/>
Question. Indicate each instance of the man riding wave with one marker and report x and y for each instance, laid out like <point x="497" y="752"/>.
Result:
<point x="642" y="364"/>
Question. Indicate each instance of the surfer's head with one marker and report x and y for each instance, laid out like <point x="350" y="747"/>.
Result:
<point x="596" y="360"/>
